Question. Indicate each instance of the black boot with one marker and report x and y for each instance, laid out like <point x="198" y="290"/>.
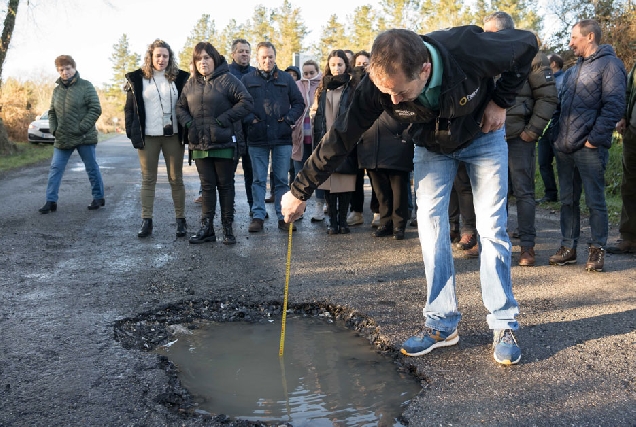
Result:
<point x="343" y="208"/>
<point x="228" y="234"/>
<point x="146" y="228"/>
<point x="182" y="227"/>
<point x="48" y="207"/>
<point x="332" y="210"/>
<point x="205" y="233"/>
<point x="96" y="203"/>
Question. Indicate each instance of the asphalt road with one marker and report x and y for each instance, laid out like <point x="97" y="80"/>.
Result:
<point x="69" y="276"/>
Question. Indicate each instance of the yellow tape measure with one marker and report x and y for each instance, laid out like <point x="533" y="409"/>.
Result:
<point x="287" y="269"/>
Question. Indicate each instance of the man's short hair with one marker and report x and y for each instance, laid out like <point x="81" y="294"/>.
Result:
<point x="398" y="50"/>
<point x="556" y="59"/>
<point x="266" y="45"/>
<point x="64" y="60"/>
<point x="501" y="21"/>
<point x="239" y="41"/>
<point x="587" y="26"/>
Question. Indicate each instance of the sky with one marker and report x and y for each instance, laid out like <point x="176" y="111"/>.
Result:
<point x="88" y="29"/>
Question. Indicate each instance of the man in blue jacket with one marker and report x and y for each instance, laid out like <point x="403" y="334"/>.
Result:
<point x="442" y="84"/>
<point x="592" y="101"/>
<point x="277" y="105"/>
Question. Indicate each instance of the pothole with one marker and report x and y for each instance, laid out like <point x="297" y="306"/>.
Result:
<point x="222" y="358"/>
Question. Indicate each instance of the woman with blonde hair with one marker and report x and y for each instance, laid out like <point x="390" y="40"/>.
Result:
<point x="151" y="125"/>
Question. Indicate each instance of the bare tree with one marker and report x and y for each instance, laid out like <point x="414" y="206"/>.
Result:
<point x="6" y="147"/>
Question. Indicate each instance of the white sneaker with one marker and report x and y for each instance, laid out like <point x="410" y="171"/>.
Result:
<point x="355" y="218"/>
<point x="318" y="214"/>
<point x="376" y="220"/>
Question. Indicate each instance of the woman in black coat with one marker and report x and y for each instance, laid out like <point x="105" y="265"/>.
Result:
<point x="211" y="107"/>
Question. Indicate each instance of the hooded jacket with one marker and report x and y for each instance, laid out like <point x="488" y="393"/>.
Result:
<point x="74" y="111"/>
<point x="592" y="101"/>
<point x="277" y="105"/>
<point x="467" y="87"/>
<point x="135" y="111"/>
<point x="212" y="109"/>
<point x="307" y="88"/>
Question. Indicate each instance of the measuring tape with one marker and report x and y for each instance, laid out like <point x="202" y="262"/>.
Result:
<point x="287" y="269"/>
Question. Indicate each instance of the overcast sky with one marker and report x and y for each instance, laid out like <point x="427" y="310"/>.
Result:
<point x="88" y="29"/>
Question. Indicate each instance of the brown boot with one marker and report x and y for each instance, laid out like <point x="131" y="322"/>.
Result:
<point x="623" y="247"/>
<point x="527" y="257"/>
<point x="467" y="241"/>
<point x="596" y="259"/>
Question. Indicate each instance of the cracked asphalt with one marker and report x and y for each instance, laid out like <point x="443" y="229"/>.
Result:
<point x="67" y="278"/>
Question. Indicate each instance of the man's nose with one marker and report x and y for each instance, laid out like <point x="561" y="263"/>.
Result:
<point x="396" y="99"/>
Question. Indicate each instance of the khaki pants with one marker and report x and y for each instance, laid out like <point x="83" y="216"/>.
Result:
<point x="149" y="160"/>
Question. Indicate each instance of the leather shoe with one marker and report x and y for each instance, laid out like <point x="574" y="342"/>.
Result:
<point x="527" y="257"/>
<point x="182" y="227"/>
<point x="96" y="203"/>
<point x="623" y="247"/>
<point x="269" y="199"/>
<point x="398" y="233"/>
<point x="472" y="252"/>
<point x="383" y="231"/>
<point x="48" y="207"/>
<point x="467" y="241"/>
<point x="256" y="225"/>
<point x="146" y="228"/>
<point x="282" y="225"/>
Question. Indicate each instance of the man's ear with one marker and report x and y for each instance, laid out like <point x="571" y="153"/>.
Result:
<point x="425" y="72"/>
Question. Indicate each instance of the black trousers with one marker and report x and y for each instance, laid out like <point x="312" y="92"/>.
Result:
<point x="248" y="174"/>
<point x="357" y="199"/>
<point x="216" y="173"/>
<point x="390" y="187"/>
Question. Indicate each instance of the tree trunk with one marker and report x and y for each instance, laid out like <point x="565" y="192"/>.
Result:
<point x="6" y="146"/>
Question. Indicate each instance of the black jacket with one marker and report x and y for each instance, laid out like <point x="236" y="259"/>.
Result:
<point x="214" y="107"/>
<point x="239" y="71"/>
<point x="386" y="145"/>
<point x="470" y="59"/>
<point x="134" y="110"/>
<point x="277" y="105"/>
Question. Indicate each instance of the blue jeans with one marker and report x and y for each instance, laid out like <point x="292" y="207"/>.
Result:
<point x="260" y="166"/>
<point x="58" y="165"/>
<point x="486" y="160"/>
<point x="590" y="164"/>
<point x="522" y="166"/>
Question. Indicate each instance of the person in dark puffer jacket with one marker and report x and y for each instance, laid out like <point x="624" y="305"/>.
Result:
<point x="211" y="107"/>
<point x="74" y="110"/>
<point x="152" y="92"/>
<point x="592" y="102"/>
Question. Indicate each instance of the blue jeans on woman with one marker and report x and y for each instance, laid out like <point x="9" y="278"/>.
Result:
<point x="486" y="160"/>
<point x="58" y="165"/>
<point x="587" y="167"/>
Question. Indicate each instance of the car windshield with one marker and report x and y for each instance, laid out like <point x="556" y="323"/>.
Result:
<point x="44" y="116"/>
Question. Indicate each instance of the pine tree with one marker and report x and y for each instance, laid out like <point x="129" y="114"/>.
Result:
<point x="364" y="28"/>
<point x="333" y="37"/>
<point x="260" y="27"/>
<point x="290" y="33"/>
<point x="400" y="13"/>
<point x="231" y="32"/>
<point x="124" y="61"/>
<point x="455" y="13"/>
<point x="203" y="31"/>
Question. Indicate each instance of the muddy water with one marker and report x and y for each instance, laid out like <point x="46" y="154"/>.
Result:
<point x="327" y="376"/>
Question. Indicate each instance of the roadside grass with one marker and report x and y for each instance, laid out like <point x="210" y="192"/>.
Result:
<point x="29" y="154"/>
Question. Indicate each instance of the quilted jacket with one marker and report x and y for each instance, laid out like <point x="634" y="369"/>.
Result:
<point x="592" y="101"/>
<point x="74" y="110"/>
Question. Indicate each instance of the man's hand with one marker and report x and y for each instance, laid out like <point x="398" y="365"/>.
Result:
<point x="621" y="126"/>
<point x="527" y="138"/>
<point x="588" y="145"/>
<point x="291" y="207"/>
<point x="494" y="117"/>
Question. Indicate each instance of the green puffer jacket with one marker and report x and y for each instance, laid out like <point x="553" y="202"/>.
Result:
<point x="74" y="110"/>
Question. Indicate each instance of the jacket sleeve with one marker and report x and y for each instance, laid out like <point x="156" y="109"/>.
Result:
<point x="52" y="115"/>
<point x="512" y="55"/>
<point x="183" y="110"/>
<point x="242" y="102"/>
<point x="544" y="93"/>
<point x="297" y="104"/>
<point x="612" y="103"/>
<point x="341" y="139"/>
<point x="94" y="108"/>
<point x="129" y="109"/>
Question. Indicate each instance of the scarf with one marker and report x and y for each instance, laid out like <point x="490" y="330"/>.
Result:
<point x="268" y="74"/>
<point x="334" y="82"/>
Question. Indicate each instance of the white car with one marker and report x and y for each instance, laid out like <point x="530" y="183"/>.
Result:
<point x="39" y="130"/>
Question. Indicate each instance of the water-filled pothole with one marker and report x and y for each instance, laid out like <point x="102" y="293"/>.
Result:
<point x="328" y="375"/>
